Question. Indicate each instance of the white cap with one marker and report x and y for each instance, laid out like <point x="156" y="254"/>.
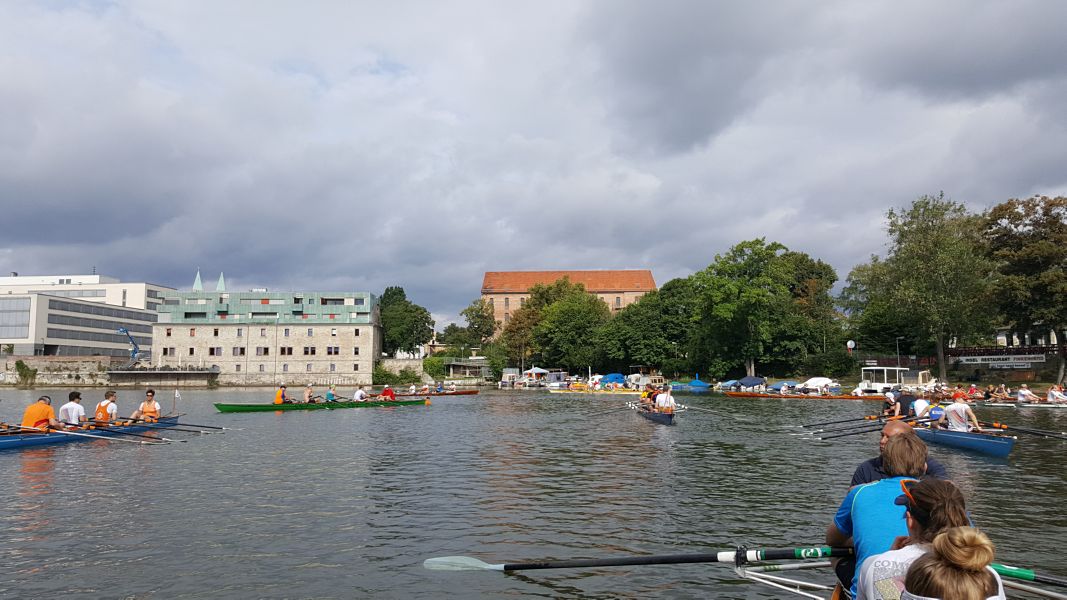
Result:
<point x="889" y="395"/>
<point x="387" y="385"/>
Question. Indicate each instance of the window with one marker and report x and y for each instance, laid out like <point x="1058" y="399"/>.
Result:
<point x="355" y="351"/>
<point x="238" y="369"/>
<point x="238" y="351"/>
<point x="507" y="303"/>
<point x="216" y="332"/>
<point x="240" y="332"/>
<point x="333" y="368"/>
<point x="311" y="331"/>
<point x="507" y="317"/>
<point x="309" y="368"/>
<point x="285" y="368"/>
<point x="333" y="350"/>
<point x="309" y="350"/>
<point x="262" y="368"/>
<point x="262" y="332"/>
<point x="285" y="332"/>
<point x="355" y="366"/>
<point x="168" y="332"/>
<point x="216" y="351"/>
<point x="522" y="301"/>
<point x="262" y="351"/>
<point x="618" y="301"/>
<point x="192" y="332"/>
<point x="357" y="332"/>
<point x="333" y="331"/>
<point x="165" y="353"/>
<point x="285" y="350"/>
<point x="192" y="351"/>
<point x="359" y="301"/>
<point x="173" y="351"/>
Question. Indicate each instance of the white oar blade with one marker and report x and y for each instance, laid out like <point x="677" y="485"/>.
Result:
<point x="459" y="563"/>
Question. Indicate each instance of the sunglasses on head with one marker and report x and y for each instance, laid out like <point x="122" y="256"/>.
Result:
<point x="905" y="486"/>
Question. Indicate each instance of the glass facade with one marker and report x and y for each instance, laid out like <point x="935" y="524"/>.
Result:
<point x="102" y="310"/>
<point x="14" y="317"/>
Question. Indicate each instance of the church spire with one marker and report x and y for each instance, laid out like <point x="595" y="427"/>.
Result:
<point x="221" y="285"/>
<point x="197" y="285"/>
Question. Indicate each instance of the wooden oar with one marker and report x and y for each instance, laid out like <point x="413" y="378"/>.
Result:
<point x="1028" y="575"/>
<point x="688" y="407"/>
<point x="149" y="425"/>
<point x="130" y="433"/>
<point x="1051" y="434"/>
<point x="466" y="563"/>
<point x="96" y="437"/>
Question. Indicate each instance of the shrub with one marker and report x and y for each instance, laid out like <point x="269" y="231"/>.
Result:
<point x="26" y="376"/>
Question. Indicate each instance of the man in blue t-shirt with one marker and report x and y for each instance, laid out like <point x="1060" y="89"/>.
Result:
<point x="868" y="516"/>
<point x="873" y="469"/>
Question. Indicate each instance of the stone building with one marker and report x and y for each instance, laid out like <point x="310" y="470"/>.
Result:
<point x="271" y="338"/>
<point x="508" y="291"/>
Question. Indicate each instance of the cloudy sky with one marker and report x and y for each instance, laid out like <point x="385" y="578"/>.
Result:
<point x="355" y="145"/>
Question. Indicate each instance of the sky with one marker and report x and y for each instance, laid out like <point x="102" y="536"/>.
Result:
<point x="351" y="146"/>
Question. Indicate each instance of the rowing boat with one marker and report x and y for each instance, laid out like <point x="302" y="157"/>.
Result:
<point x="1025" y="404"/>
<point x="993" y="444"/>
<point x="23" y="438"/>
<point x="234" y="408"/>
<point x="656" y="417"/>
<point x="801" y="396"/>
<point x="424" y="394"/>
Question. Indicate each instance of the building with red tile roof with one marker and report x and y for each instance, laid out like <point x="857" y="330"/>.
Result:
<point x="507" y="291"/>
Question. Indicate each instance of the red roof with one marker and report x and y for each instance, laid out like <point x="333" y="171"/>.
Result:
<point x="497" y="282"/>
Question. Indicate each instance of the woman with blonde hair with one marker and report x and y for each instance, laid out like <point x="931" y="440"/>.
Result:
<point x="956" y="568"/>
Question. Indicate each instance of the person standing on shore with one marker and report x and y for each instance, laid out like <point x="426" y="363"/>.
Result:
<point x="72" y="413"/>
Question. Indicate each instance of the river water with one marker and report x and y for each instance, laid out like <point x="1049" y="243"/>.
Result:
<point x="348" y="503"/>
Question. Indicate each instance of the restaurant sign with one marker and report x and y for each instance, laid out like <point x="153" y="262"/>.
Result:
<point x="1002" y="359"/>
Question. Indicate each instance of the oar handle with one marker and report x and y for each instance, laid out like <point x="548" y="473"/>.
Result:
<point x="677" y="559"/>
<point x="1028" y="575"/>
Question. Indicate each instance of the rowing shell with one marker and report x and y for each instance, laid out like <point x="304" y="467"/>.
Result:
<point x="9" y="441"/>
<point x="991" y="444"/>
<point x="424" y="394"/>
<point x="655" y="417"/>
<point x="235" y="408"/>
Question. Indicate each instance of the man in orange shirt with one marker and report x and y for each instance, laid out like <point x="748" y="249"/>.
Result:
<point x="40" y="415"/>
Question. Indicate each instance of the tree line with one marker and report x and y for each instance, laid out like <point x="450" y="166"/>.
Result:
<point x="949" y="276"/>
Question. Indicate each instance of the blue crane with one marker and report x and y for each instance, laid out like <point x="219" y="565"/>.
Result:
<point x="135" y="351"/>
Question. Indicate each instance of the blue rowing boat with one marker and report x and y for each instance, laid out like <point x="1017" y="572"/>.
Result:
<point x="656" y="417"/>
<point x="24" y="439"/>
<point x="993" y="444"/>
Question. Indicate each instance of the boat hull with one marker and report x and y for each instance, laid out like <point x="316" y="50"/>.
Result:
<point x="424" y="394"/>
<point x="236" y="408"/>
<point x="655" y="417"/>
<point x="984" y="443"/>
<point x="24" y="440"/>
<point x="598" y="392"/>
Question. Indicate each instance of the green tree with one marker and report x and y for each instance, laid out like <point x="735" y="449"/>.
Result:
<point x="405" y="326"/>
<point x="652" y="331"/>
<point x="480" y="322"/>
<point x="936" y="276"/>
<point x="1028" y="241"/>
<point x="454" y="335"/>
<point x="744" y="298"/>
<point x="566" y="330"/>
<point x="517" y="336"/>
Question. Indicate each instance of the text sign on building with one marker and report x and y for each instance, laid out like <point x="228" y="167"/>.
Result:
<point x="1011" y="365"/>
<point x="1008" y="358"/>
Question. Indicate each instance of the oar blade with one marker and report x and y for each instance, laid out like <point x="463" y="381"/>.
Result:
<point x="459" y="563"/>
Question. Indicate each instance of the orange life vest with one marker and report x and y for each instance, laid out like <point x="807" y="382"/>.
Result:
<point x="102" y="416"/>
<point x="150" y="411"/>
<point x="279" y="397"/>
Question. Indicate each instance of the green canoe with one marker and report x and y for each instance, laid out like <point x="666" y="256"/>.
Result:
<point x="232" y="408"/>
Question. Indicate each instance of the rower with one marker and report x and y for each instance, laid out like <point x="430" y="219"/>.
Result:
<point x="388" y="393"/>
<point x="40" y="415"/>
<point x="452" y="386"/>
<point x="309" y="397"/>
<point x="149" y="409"/>
<point x="1026" y="396"/>
<point x="72" y="413"/>
<point x="873" y="470"/>
<point x="107" y="410"/>
<point x="957" y="414"/>
<point x="360" y="395"/>
<point x="412" y="389"/>
<point x="440" y="387"/>
<point x="425" y="389"/>
<point x="665" y="401"/>
<point x="280" y="397"/>
<point x="918" y="405"/>
<point x="331" y="394"/>
<point x="934" y="411"/>
<point x="893" y="407"/>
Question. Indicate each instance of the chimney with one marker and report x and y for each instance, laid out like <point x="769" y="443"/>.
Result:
<point x="14" y="273"/>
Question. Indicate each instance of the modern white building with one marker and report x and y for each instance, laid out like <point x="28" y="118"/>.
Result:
<point x="46" y="325"/>
<point x="91" y="288"/>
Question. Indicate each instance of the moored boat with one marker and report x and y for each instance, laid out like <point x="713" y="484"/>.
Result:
<point x="589" y="392"/>
<point x="992" y="444"/>
<point x="24" y="438"/>
<point x="235" y="408"/>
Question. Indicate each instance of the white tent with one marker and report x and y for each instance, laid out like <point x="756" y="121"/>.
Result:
<point x="535" y="371"/>
<point x="818" y="382"/>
